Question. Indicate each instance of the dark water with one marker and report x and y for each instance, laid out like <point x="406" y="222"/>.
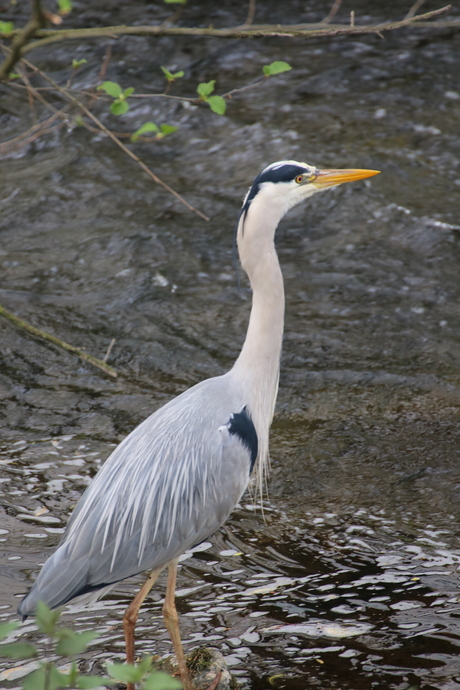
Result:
<point x="352" y="579"/>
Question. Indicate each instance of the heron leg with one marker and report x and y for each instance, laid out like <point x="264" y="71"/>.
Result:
<point x="130" y="617"/>
<point x="172" y="623"/>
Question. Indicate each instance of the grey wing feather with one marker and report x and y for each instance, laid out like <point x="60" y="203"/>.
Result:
<point x="169" y="485"/>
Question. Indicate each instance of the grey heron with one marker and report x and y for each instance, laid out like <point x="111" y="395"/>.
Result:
<point x="176" y="478"/>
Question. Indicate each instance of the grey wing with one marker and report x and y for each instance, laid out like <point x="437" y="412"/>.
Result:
<point x="169" y="485"/>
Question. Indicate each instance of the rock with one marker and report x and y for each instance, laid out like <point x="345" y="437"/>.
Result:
<point x="204" y="665"/>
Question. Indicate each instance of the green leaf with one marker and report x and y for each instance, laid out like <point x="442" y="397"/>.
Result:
<point x="119" y="107"/>
<point x="78" y="63"/>
<point x="14" y="75"/>
<point x="6" y="27"/>
<point x="126" y="673"/>
<point x="128" y="92"/>
<point x="73" y="675"/>
<point x="35" y="680"/>
<point x="147" y="127"/>
<point x="167" y="74"/>
<point x="172" y="76"/>
<point x="145" y="665"/>
<point x="65" y="6"/>
<point x="206" y="88"/>
<point x="217" y="104"/>
<point x="161" y="681"/>
<point x="130" y="673"/>
<point x="88" y="682"/>
<point x="168" y="129"/>
<point x="175" y="2"/>
<point x="73" y="643"/>
<point x="45" y="678"/>
<point x="112" y="88"/>
<point x="18" y="650"/>
<point x="7" y="628"/>
<point x="47" y="619"/>
<point x="276" y="67"/>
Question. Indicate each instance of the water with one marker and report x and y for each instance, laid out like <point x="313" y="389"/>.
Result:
<point x="352" y="579"/>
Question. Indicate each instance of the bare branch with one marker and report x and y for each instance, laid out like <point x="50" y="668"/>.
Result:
<point x="229" y="94"/>
<point x="102" y="128"/>
<point x="105" y="64"/>
<point x="48" y="37"/>
<point x="110" y="134"/>
<point x="299" y="30"/>
<point x="37" y="332"/>
<point x="32" y="134"/>
<point x="21" y="38"/>
<point x="109" y="349"/>
<point x="31" y="91"/>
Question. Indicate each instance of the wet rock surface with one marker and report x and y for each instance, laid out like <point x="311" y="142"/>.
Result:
<point x="352" y="579"/>
<point x="207" y="668"/>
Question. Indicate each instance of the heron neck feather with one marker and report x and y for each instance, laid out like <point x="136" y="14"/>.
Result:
<point x="258" y="363"/>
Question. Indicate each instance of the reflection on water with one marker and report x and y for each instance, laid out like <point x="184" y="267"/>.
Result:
<point x="349" y="598"/>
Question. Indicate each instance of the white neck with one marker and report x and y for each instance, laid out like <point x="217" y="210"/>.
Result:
<point x="258" y="363"/>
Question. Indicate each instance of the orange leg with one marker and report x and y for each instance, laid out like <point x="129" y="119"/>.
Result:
<point x="172" y="623"/>
<point x="130" y="617"/>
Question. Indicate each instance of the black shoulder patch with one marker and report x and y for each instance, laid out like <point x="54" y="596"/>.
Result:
<point x="240" y="424"/>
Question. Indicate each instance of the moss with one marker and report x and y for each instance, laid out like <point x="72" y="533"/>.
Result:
<point x="199" y="660"/>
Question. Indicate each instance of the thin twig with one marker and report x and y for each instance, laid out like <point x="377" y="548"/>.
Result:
<point x="229" y="94"/>
<point x="332" y="12"/>
<point x="175" y="16"/>
<point x="59" y="113"/>
<point x="30" y="96"/>
<point x="135" y="158"/>
<point x="105" y="64"/>
<point x="115" y="139"/>
<point x="102" y="72"/>
<point x="109" y="349"/>
<point x="33" y="133"/>
<point x="57" y="341"/>
<point x="194" y="100"/>
<point x="251" y="13"/>
<point x="33" y="92"/>
<point x="414" y="9"/>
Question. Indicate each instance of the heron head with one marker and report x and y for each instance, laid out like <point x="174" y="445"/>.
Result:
<point x="287" y="183"/>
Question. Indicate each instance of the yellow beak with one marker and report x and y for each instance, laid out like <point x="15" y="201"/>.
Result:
<point x="330" y="178"/>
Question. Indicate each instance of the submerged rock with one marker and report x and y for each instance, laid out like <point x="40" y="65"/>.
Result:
<point x="205" y="665"/>
<point x="208" y="670"/>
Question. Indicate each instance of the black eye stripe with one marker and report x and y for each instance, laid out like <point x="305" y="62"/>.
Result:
<point x="284" y="173"/>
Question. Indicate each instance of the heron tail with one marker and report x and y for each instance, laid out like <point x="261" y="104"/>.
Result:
<point x="57" y="583"/>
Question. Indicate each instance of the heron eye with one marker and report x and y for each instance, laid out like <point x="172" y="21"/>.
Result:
<point x="299" y="179"/>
